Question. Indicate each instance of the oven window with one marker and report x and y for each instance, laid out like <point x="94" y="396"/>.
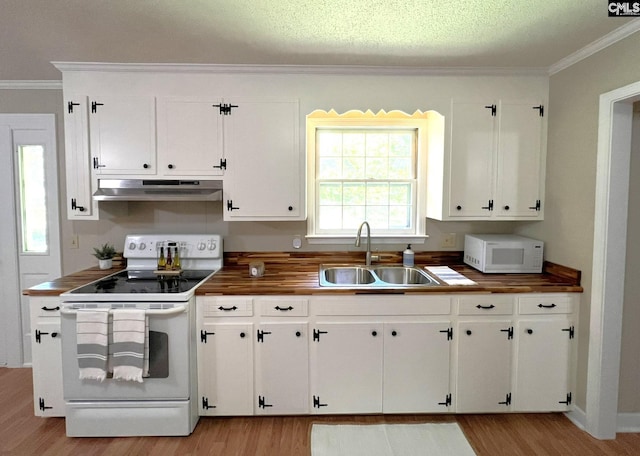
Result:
<point x="158" y="354"/>
<point x="508" y="256"/>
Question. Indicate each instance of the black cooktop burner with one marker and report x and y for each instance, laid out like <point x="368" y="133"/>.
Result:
<point x="126" y="282"/>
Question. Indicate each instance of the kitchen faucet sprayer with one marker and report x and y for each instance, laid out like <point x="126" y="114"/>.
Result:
<point x="368" y="257"/>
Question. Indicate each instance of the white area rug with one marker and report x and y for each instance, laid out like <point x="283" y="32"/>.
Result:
<point x="429" y="439"/>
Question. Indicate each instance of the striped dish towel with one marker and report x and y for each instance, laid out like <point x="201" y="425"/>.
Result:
<point x="129" y="333"/>
<point x="92" y="339"/>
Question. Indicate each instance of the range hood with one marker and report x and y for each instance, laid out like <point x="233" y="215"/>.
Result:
<point x="158" y="190"/>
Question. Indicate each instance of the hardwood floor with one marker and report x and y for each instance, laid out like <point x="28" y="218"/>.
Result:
<point x="21" y="433"/>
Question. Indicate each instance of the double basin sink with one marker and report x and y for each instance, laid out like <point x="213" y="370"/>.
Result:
<point x="375" y="276"/>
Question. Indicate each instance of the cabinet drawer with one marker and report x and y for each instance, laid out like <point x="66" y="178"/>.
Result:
<point x="45" y="309"/>
<point x="531" y="305"/>
<point x="485" y="305"/>
<point x="227" y="307"/>
<point x="284" y="307"/>
<point x="383" y="305"/>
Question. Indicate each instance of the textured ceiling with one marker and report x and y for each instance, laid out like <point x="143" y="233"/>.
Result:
<point x="413" y="33"/>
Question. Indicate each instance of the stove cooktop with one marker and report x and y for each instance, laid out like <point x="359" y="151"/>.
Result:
<point x="138" y="282"/>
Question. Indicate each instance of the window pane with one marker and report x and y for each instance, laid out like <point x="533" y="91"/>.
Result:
<point x="400" y="144"/>
<point x="330" y="217"/>
<point x="377" y="193"/>
<point x="32" y="199"/>
<point x="399" y="217"/>
<point x="400" y="193"/>
<point x="353" y="168"/>
<point x="330" y="168"/>
<point x="329" y="144"/>
<point x="354" y="193"/>
<point x="353" y="144"/>
<point x="377" y="144"/>
<point x="330" y="194"/>
<point x="353" y="217"/>
<point x="400" y="168"/>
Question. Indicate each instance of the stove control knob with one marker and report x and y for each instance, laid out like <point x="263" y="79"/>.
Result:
<point x="132" y="246"/>
<point x="211" y="245"/>
<point x="142" y="246"/>
<point x="201" y="245"/>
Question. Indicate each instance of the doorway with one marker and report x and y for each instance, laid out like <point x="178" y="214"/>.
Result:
<point x="609" y="252"/>
<point x="31" y="238"/>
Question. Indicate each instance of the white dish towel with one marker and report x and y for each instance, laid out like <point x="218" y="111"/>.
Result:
<point x="130" y="331"/>
<point x="92" y="328"/>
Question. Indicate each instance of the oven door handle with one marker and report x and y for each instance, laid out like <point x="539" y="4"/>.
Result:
<point x="162" y="312"/>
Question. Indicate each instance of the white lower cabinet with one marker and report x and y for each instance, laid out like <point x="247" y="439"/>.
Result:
<point x="346" y="367"/>
<point x="416" y="367"/>
<point x="484" y="366"/>
<point x="225" y="368"/>
<point x="282" y="369"/>
<point x="46" y="355"/>
<point x="462" y="353"/>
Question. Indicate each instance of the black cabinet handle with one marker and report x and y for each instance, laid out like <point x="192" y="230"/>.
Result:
<point x="290" y="208"/>
<point x="546" y="306"/>
<point x="394" y="333"/>
<point x="242" y="335"/>
<point x="170" y="166"/>
<point x="50" y="309"/>
<point x="459" y="208"/>
<point x="227" y="309"/>
<point x="468" y="331"/>
<point x="298" y="333"/>
<point x="146" y="166"/>
<point x="374" y="333"/>
<point x="480" y="306"/>
<point x="283" y="309"/>
<point x="529" y="331"/>
<point x="506" y="208"/>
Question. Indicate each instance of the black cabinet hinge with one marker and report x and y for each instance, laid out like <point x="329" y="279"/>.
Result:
<point x="261" y="335"/>
<point x="537" y="207"/>
<point x="316" y="402"/>
<point x="39" y="335"/>
<point x="204" y="334"/>
<point x="42" y="405"/>
<point x="571" y="330"/>
<point x="540" y="110"/>
<point x="567" y="401"/>
<point x="262" y="403"/>
<point x="447" y="401"/>
<point x="230" y="206"/>
<point x="316" y="334"/>
<point x="449" y="333"/>
<point x="509" y="332"/>
<point x="94" y="106"/>
<point x="222" y="165"/>
<point x="205" y="403"/>
<point x="489" y="206"/>
<point x="507" y="400"/>
<point x="493" y="108"/>
<point x="225" y="109"/>
<point x="75" y="207"/>
<point x="70" y="106"/>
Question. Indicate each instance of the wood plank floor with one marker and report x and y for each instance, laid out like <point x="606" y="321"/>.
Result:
<point x="21" y="433"/>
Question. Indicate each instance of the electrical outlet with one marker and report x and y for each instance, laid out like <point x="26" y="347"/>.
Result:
<point x="74" y="242"/>
<point x="449" y="240"/>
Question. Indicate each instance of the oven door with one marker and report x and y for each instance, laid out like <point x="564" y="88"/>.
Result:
<point x="169" y="355"/>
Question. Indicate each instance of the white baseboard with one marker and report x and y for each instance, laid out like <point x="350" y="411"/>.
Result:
<point x="626" y="422"/>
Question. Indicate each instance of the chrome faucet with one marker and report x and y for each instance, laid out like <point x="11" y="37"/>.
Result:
<point x="368" y="257"/>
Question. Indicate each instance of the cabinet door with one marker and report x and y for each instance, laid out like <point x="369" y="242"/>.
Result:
<point x="263" y="179"/>
<point x="123" y="135"/>
<point x="483" y="381"/>
<point x="282" y="369"/>
<point x="416" y="367"/>
<point x="46" y="355"/>
<point x="473" y="142"/>
<point x="543" y="365"/>
<point x="225" y="369"/>
<point x="346" y="368"/>
<point x="189" y="137"/>
<point x="519" y="166"/>
<point x="80" y="204"/>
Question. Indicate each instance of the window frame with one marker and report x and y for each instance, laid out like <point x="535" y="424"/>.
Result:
<point x="425" y="123"/>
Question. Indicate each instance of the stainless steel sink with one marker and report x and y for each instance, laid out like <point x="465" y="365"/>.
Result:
<point x="402" y="275"/>
<point x="348" y="275"/>
<point x="379" y="276"/>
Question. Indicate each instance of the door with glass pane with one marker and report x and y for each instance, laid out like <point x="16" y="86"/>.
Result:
<point x="31" y="238"/>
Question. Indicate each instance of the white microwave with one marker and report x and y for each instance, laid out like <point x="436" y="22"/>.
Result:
<point x="503" y="253"/>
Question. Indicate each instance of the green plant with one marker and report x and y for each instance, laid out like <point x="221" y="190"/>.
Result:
<point x="105" y="252"/>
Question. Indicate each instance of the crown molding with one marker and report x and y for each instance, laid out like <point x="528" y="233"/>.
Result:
<point x="294" y="69"/>
<point x="609" y="39"/>
<point x="30" y="85"/>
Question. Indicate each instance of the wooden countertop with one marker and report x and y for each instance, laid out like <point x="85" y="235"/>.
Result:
<point x="297" y="274"/>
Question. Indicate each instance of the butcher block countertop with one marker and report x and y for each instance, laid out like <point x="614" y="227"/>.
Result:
<point x="297" y="274"/>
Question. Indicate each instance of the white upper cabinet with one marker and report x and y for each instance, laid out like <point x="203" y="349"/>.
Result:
<point x="123" y="135"/>
<point x="263" y="179"/>
<point x="80" y="205"/>
<point x="493" y="168"/>
<point x="190" y="137"/>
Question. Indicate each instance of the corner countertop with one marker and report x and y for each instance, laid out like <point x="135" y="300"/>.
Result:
<point x="297" y="274"/>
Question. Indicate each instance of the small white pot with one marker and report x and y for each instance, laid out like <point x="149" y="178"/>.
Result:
<point x="105" y="264"/>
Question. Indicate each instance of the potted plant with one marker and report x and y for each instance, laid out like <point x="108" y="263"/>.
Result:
<point x="105" y="255"/>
